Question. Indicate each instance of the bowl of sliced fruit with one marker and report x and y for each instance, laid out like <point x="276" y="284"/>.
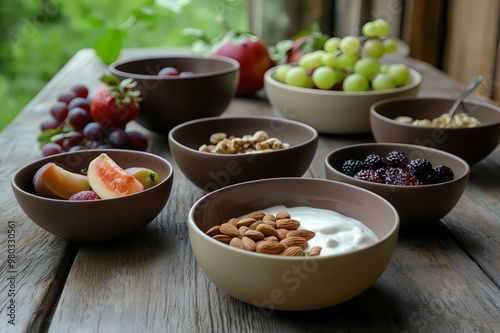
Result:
<point x="176" y="89"/>
<point x="423" y="184"/>
<point x="332" y="89"/>
<point x="94" y="195"/>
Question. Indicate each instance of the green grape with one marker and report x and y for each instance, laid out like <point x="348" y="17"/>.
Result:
<point x="349" y="45"/>
<point x="382" y="27"/>
<point x="366" y="67"/>
<point x="355" y="82"/>
<point x="297" y="76"/>
<point x="390" y="45"/>
<point x="281" y="71"/>
<point x="400" y="73"/>
<point x="311" y="60"/>
<point x="374" y="48"/>
<point x="332" y="44"/>
<point x="370" y="29"/>
<point x="344" y="61"/>
<point x="383" y="81"/>
<point x="384" y="69"/>
<point x="324" y="77"/>
<point x="329" y="59"/>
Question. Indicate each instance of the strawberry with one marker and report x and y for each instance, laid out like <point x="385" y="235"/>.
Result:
<point x="115" y="105"/>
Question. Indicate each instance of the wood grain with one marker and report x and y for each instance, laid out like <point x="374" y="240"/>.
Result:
<point x="442" y="278"/>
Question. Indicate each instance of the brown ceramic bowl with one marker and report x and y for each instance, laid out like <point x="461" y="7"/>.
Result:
<point x="328" y="111"/>
<point x="169" y="101"/>
<point x="471" y="144"/>
<point x="415" y="204"/>
<point x="211" y="171"/>
<point x="98" y="219"/>
<point x="293" y="283"/>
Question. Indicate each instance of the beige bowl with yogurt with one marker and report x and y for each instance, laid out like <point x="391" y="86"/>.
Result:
<point x="293" y="283"/>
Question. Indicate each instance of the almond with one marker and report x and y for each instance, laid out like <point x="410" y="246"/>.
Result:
<point x="254" y="225"/>
<point x="294" y="241"/>
<point x="308" y="235"/>
<point x="270" y="247"/>
<point x="242" y="230"/>
<point x="282" y="233"/>
<point x="233" y="221"/>
<point x="282" y="215"/>
<point x="256" y="215"/>
<point x="267" y="230"/>
<point x="269" y="217"/>
<point x="271" y="223"/>
<point x="245" y="222"/>
<point x="223" y="238"/>
<point x="271" y="239"/>
<point x="237" y="242"/>
<point x="254" y="234"/>
<point x="249" y="244"/>
<point x="293" y="251"/>
<point x="229" y="229"/>
<point x="213" y="231"/>
<point x="315" y="251"/>
<point x="287" y="224"/>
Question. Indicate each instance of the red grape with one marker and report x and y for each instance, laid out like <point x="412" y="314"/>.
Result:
<point x="59" y="110"/>
<point x="80" y="90"/>
<point x="119" y="139"/>
<point x="51" y="148"/>
<point x="67" y="96"/>
<point x="138" y="141"/>
<point x="93" y="131"/>
<point x="80" y="102"/>
<point x="72" y="139"/>
<point x="49" y="124"/>
<point x="79" y="118"/>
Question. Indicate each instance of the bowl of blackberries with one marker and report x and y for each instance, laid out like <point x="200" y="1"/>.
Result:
<point x="423" y="184"/>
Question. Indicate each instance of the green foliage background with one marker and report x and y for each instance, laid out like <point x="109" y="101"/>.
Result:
<point x="37" y="37"/>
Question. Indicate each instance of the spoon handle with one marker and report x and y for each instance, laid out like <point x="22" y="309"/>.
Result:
<point x="470" y="87"/>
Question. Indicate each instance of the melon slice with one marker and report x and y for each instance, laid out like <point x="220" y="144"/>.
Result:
<point x="109" y="180"/>
<point x="52" y="181"/>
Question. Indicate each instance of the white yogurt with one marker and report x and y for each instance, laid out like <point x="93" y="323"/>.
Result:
<point x="335" y="233"/>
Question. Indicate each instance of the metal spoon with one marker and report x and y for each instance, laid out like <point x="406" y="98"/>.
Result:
<point x="470" y="87"/>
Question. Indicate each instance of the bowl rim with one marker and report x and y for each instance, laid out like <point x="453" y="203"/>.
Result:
<point x="414" y="75"/>
<point x="315" y="134"/>
<point x="381" y="117"/>
<point x="113" y="67"/>
<point x="47" y="159"/>
<point x="410" y="146"/>
<point x="197" y="230"/>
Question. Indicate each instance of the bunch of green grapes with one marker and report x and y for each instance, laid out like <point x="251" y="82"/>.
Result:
<point x="349" y="63"/>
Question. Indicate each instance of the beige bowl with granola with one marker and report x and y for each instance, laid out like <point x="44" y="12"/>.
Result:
<point x="243" y="148"/>
<point x="287" y="282"/>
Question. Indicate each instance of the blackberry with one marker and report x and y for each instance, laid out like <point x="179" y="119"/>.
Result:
<point x="420" y="167"/>
<point x="396" y="176"/>
<point x="396" y="159"/>
<point x="373" y="161"/>
<point x="351" y="167"/>
<point x="440" y="174"/>
<point x="391" y="175"/>
<point x="369" y="175"/>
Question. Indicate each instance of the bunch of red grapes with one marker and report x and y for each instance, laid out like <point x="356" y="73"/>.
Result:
<point x="72" y="127"/>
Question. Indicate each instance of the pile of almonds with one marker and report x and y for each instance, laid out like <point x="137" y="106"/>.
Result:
<point x="266" y="233"/>
<point x="259" y="142"/>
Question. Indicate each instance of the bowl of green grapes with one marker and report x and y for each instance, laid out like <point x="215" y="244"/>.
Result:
<point x="332" y="89"/>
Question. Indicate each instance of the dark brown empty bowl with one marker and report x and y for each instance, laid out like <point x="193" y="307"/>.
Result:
<point x="293" y="283"/>
<point x="98" y="219"/>
<point x="210" y="171"/>
<point x="471" y="144"/>
<point x="169" y="101"/>
<point x="415" y="204"/>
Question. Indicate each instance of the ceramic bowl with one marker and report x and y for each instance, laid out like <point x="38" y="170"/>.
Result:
<point x="169" y="101"/>
<point x="471" y="144"/>
<point x="416" y="205"/>
<point x="211" y="171"/>
<point x="293" y="283"/>
<point x="95" y="220"/>
<point x="331" y="112"/>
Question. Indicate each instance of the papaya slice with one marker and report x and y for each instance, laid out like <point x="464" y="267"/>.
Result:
<point x="53" y="181"/>
<point x="109" y="180"/>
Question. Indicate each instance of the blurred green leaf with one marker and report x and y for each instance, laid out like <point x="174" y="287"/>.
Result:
<point x="109" y="45"/>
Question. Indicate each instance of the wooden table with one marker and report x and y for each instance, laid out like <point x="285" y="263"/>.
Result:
<point x="445" y="278"/>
